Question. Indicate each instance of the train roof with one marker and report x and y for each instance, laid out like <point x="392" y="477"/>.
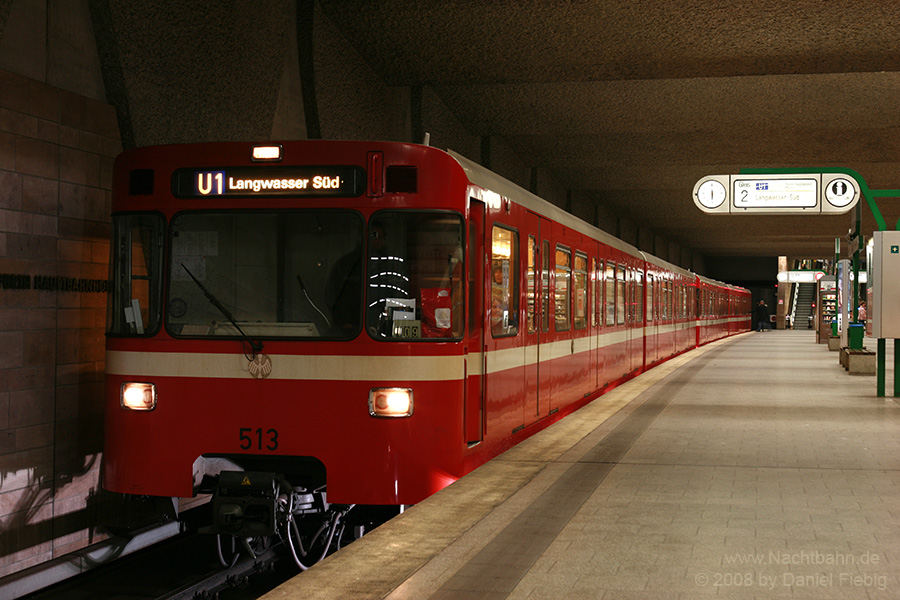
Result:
<point x="667" y="265"/>
<point x="489" y="180"/>
<point x="718" y="283"/>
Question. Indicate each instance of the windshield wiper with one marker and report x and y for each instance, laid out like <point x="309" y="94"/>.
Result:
<point x="254" y="345"/>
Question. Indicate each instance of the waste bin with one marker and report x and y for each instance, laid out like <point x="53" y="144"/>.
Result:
<point x="855" y="334"/>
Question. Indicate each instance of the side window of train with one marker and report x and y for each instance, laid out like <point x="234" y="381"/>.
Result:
<point x="670" y="302"/>
<point x="660" y="298"/>
<point x="639" y="296"/>
<point x="659" y="292"/>
<point x="563" y="287"/>
<point x="414" y="277"/>
<point x="629" y="295"/>
<point x="620" y="294"/>
<point x="675" y="299"/>
<point x="595" y="303"/>
<point x="649" y="297"/>
<point x="531" y="282"/>
<point x="137" y="275"/>
<point x="545" y="286"/>
<point x="474" y="277"/>
<point x="610" y="294"/>
<point x="504" y="281"/>
<point x="678" y="301"/>
<point x="581" y="290"/>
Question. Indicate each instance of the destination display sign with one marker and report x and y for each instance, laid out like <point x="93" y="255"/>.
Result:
<point x="814" y="193"/>
<point x="284" y="181"/>
<point x="775" y="193"/>
<point x="800" y="276"/>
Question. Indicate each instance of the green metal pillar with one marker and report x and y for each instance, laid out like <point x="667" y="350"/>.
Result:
<point x="896" y="369"/>
<point x="854" y="308"/>
<point x="834" y="266"/>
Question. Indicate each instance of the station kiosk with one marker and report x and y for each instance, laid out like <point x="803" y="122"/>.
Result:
<point x="826" y="308"/>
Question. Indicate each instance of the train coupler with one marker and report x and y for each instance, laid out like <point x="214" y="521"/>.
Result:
<point x="244" y="503"/>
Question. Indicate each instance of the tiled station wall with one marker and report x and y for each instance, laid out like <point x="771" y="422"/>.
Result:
<point x="56" y="155"/>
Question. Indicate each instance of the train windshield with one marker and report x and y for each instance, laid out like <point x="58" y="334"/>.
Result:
<point x="291" y="274"/>
<point x="414" y="276"/>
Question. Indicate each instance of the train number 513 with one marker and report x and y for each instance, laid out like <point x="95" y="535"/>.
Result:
<point x="258" y="439"/>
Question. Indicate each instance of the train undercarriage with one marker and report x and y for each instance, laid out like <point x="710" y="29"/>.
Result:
<point x="252" y="510"/>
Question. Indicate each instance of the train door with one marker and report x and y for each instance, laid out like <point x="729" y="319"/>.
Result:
<point x="630" y="333"/>
<point x="639" y="319"/>
<point x="611" y="349"/>
<point x="651" y="331"/>
<point x="537" y="317"/>
<point x="475" y="358"/>
<point x="581" y="323"/>
<point x="621" y="326"/>
<point x="595" y="300"/>
<point x="637" y="343"/>
<point x="545" y="376"/>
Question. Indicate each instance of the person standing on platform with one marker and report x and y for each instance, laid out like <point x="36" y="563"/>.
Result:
<point x="861" y="314"/>
<point x="762" y="316"/>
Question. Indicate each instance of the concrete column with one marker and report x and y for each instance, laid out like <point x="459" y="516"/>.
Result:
<point x="645" y="240"/>
<point x="783" y="295"/>
<point x="661" y="247"/>
<point x="674" y="253"/>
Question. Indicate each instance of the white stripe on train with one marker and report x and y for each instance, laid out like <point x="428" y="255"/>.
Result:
<point x="368" y="368"/>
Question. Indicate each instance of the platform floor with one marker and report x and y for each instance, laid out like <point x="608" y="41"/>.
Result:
<point x="754" y="467"/>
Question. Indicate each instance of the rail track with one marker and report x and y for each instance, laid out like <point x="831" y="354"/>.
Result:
<point x="184" y="567"/>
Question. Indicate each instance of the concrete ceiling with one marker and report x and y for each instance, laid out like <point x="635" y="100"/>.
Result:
<point x="633" y="101"/>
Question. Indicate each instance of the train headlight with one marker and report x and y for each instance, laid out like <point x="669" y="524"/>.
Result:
<point x="138" y="396"/>
<point x="390" y="402"/>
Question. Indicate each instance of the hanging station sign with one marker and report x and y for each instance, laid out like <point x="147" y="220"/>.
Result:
<point x="800" y="276"/>
<point x="814" y="193"/>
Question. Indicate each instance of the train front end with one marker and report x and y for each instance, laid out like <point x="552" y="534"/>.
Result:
<point x="298" y="315"/>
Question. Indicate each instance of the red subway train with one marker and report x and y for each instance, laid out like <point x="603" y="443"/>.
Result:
<point x="301" y="327"/>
